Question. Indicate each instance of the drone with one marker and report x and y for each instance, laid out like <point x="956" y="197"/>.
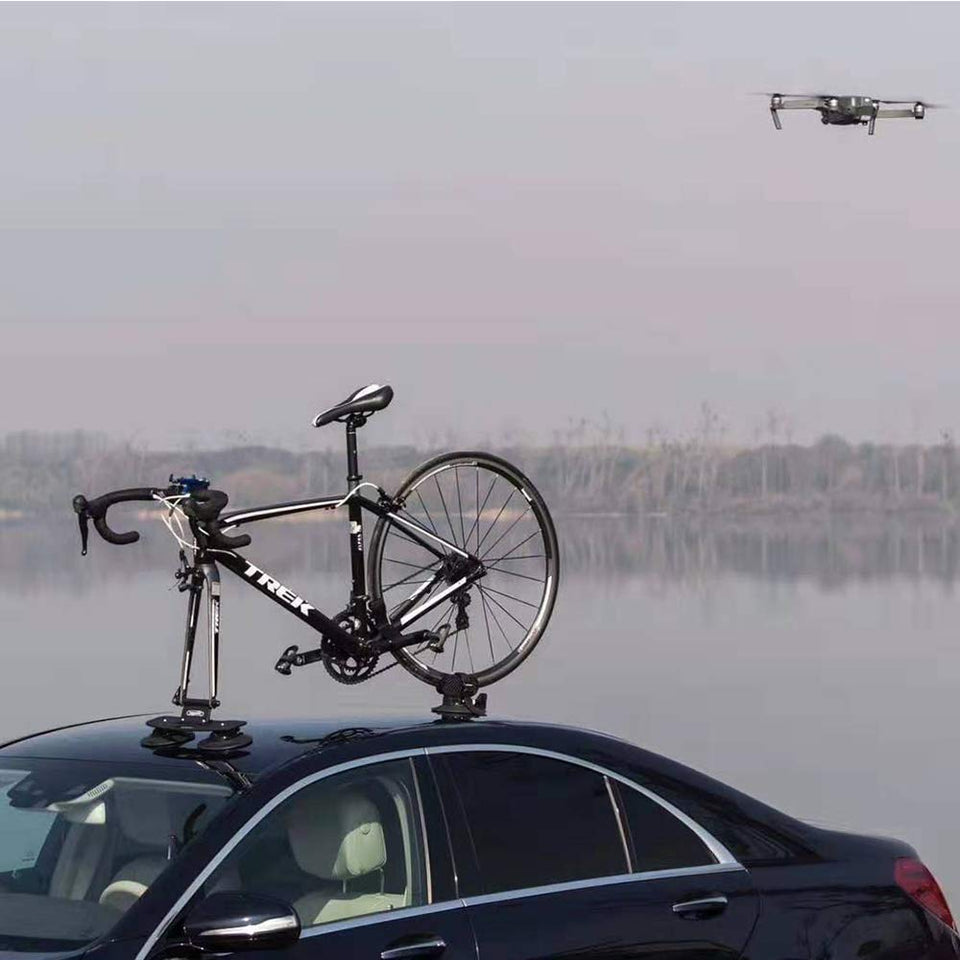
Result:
<point x="846" y="111"/>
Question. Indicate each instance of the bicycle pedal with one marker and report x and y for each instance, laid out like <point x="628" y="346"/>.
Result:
<point x="287" y="661"/>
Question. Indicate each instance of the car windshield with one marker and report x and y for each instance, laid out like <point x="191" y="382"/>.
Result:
<point x="81" y="841"/>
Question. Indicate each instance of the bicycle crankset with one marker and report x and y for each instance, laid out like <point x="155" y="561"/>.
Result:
<point x="347" y="668"/>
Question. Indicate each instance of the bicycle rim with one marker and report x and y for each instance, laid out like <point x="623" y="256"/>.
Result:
<point x="489" y="508"/>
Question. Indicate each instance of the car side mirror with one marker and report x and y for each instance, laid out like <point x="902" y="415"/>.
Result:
<point x="229" y="921"/>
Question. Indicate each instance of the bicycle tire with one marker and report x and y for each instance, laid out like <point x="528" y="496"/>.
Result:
<point x="496" y="606"/>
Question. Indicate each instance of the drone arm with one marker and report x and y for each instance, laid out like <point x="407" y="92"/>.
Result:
<point x="800" y="103"/>
<point x="895" y="112"/>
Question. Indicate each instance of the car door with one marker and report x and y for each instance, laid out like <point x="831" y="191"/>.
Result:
<point x="559" y="858"/>
<point x="352" y="851"/>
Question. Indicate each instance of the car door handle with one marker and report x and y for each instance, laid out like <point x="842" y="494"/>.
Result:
<point x="427" y="947"/>
<point x="701" y="908"/>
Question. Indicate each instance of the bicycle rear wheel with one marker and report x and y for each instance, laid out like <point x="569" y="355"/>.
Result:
<point x="487" y="507"/>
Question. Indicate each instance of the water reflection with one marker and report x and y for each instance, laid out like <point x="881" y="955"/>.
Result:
<point x="830" y="553"/>
<point x="815" y="665"/>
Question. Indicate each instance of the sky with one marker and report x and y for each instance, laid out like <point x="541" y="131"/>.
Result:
<point x="216" y="220"/>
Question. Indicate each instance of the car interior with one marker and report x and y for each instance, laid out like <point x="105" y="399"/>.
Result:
<point x="340" y="848"/>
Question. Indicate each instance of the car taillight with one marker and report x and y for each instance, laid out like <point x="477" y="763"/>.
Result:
<point x="918" y="883"/>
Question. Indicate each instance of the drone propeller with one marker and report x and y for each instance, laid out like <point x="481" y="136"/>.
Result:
<point x="780" y="93"/>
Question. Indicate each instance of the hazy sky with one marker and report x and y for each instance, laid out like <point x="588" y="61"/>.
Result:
<point x="225" y="217"/>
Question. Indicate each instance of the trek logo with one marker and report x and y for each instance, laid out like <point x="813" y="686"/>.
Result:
<point x="278" y="589"/>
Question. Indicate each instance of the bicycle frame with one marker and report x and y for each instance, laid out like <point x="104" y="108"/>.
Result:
<point x="406" y="613"/>
<point x="207" y="558"/>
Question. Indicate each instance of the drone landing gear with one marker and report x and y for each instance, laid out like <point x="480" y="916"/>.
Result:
<point x="460" y="699"/>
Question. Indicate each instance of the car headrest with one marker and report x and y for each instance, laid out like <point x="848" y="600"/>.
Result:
<point x="146" y="818"/>
<point x="338" y="836"/>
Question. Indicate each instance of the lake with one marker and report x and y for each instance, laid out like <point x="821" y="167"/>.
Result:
<point x="813" y="665"/>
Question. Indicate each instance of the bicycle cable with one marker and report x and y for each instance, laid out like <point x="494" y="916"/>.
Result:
<point x="176" y="515"/>
<point x="359" y="486"/>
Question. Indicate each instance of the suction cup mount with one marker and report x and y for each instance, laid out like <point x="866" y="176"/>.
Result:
<point x="222" y="736"/>
<point x="460" y="699"/>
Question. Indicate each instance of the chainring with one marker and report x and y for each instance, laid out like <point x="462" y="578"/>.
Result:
<point x="346" y="669"/>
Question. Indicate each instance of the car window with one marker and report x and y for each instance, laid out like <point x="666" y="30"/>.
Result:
<point x="81" y="842"/>
<point x="22" y="832"/>
<point x="535" y="821"/>
<point x="345" y="846"/>
<point x="658" y="840"/>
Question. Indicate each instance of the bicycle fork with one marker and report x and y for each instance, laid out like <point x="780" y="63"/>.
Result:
<point x="206" y="574"/>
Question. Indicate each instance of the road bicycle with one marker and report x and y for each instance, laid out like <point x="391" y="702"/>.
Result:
<point x="459" y="586"/>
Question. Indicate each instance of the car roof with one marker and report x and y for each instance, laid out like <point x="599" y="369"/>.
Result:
<point x="279" y="741"/>
<point x="275" y="740"/>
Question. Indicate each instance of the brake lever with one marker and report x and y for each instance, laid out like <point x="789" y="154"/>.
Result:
<point x="83" y="518"/>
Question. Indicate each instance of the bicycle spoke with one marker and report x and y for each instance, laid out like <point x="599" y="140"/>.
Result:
<point x="496" y="620"/>
<point x="427" y="512"/>
<point x="466" y="643"/>
<point x="526" y="556"/>
<point x="523" y="576"/>
<point x="506" y="556"/>
<point x="406" y="563"/>
<point x="495" y="519"/>
<point x="453" y="535"/>
<point x="510" y="596"/>
<point x="480" y="508"/>
<point x="494" y="600"/>
<point x="456" y="474"/>
<point x="512" y="525"/>
<point x="486" y="621"/>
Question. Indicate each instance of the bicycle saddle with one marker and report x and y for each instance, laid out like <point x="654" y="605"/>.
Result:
<point x="364" y="401"/>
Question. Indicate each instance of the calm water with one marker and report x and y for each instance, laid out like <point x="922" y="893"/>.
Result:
<point x="815" y="667"/>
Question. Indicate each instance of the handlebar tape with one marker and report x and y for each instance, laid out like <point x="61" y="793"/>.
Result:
<point x="96" y="510"/>
<point x="203" y="505"/>
<point x="206" y="506"/>
<point x="219" y="539"/>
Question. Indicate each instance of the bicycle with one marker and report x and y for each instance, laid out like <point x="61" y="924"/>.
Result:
<point x="488" y="540"/>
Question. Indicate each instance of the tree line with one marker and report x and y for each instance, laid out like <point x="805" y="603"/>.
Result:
<point x="586" y="469"/>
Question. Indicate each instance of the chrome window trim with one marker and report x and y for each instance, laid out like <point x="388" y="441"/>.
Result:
<point x="524" y="892"/>
<point x="726" y="862"/>
<point x="422" y="820"/>
<point x="618" y="813"/>
<point x="722" y="855"/>
<point x="260" y="814"/>
<point x="384" y="916"/>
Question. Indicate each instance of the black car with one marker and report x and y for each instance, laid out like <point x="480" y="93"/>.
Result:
<point x="480" y="840"/>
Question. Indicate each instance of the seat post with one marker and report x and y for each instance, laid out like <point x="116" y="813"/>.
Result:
<point x="353" y="467"/>
<point x="354" y="511"/>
